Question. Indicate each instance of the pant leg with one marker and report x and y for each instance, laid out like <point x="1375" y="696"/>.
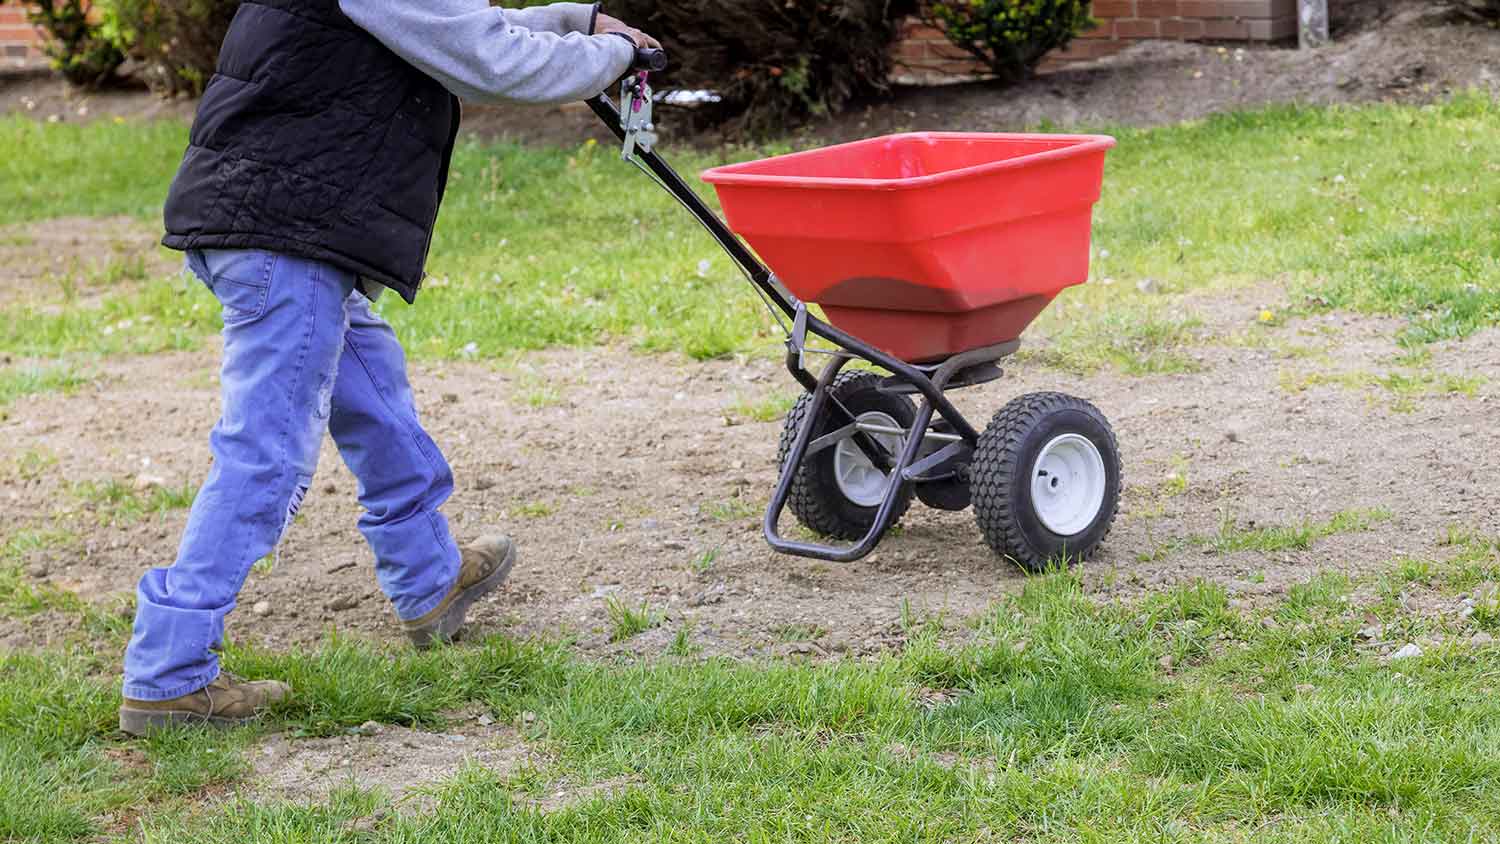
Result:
<point x="403" y="478"/>
<point x="284" y="324"/>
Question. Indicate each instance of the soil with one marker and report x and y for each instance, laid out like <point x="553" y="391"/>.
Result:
<point x="1406" y="50"/>
<point x="400" y="761"/>
<point x="70" y="259"/>
<point x="633" y="476"/>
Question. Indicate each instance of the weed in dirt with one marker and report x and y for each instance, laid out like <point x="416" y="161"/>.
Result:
<point x="1162" y="550"/>
<point x="119" y="502"/>
<point x="801" y="632"/>
<point x="1417" y="357"/>
<point x="118" y="269"/>
<point x="533" y="510"/>
<point x="1271" y="539"/>
<point x="627" y="622"/>
<point x="540" y="396"/>
<point x="15" y="383"/>
<point x="33" y="463"/>
<point x="704" y="563"/>
<point x="682" y="642"/>
<point x="1401" y="388"/>
<point x="19" y="596"/>
<point x="769" y="409"/>
<point x="1475" y="560"/>
<point x="264" y="566"/>
<point x="1176" y="481"/>
<point x="1324" y="593"/>
<point x="734" y="509"/>
<point x="919" y="623"/>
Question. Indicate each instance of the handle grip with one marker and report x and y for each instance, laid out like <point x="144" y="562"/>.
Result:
<point x="650" y="59"/>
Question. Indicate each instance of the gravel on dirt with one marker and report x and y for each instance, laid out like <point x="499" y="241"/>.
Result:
<point x="609" y="503"/>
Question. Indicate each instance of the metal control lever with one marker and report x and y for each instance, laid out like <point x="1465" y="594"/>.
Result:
<point x="635" y="115"/>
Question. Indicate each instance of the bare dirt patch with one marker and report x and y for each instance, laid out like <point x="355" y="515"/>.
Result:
<point x="396" y="760"/>
<point x="77" y="260"/>
<point x="633" y="488"/>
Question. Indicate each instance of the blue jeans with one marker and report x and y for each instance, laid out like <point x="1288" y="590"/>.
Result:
<point x="303" y="354"/>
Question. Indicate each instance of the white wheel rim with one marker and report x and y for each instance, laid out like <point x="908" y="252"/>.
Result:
<point x="857" y="478"/>
<point x="1067" y="484"/>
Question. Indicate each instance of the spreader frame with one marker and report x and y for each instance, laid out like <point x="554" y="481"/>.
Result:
<point x="929" y="380"/>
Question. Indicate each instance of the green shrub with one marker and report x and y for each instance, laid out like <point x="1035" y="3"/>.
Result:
<point x="1009" y="36"/>
<point x="773" y="62"/>
<point x="176" y="41"/>
<point x="75" y="44"/>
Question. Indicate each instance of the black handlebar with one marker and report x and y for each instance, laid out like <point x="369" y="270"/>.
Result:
<point x="650" y="59"/>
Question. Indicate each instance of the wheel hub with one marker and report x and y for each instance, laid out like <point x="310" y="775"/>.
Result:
<point x="857" y="477"/>
<point x="1067" y="484"/>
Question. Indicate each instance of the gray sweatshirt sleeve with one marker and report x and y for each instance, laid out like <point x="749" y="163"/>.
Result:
<point x="483" y="53"/>
<point x="557" y="18"/>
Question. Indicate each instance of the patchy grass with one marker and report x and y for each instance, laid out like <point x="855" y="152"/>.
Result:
<point x="1062" y="720"/>
<point x="734" y="509"/>
<point x="18" y="595"/>
<point x="29" y="381"/>
<point x="772" y="408"/>
<point x="704" y="562"/>
<point x="1128" y="340"/>
<point x="627" y="622"/>
<point x="116" y="501"/>
<point x="800" y="633"/>
<point x="1401" y="388"/>
<point x="1270" y="539"/>
<point x="1379" y="208"/>
<point x="534" y="509"/>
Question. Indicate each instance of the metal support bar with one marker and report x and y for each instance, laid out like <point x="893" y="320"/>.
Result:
<point x="940" y="464"/>
<point x="885" y="515"/>
<point x="901" y="432"/>
<point x="833" y="438"/>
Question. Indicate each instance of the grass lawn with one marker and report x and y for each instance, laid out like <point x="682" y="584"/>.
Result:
<point x="1181" y="717"/>
<point x="1383" y="209"/>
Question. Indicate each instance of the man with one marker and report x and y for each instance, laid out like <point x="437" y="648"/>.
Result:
<point x="312" y="180"/>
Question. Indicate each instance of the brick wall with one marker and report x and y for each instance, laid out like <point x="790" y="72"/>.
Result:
<point x="19" y="40"/>
<point x="924" y="55"/>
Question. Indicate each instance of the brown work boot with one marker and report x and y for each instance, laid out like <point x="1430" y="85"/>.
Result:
<point x="486" y="564"/>
<point x="226" y="702"/>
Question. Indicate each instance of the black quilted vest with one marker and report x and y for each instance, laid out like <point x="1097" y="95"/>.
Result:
<point x="313" y="139"/>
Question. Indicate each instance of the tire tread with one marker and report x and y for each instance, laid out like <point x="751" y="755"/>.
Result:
<point x="997" y="463"/>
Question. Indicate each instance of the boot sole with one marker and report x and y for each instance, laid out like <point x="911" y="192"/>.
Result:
<point x="140" y="722"/>
<point x="452" y="621"/>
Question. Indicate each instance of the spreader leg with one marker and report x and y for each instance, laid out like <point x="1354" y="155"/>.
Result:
<point x="894" y="498"/>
